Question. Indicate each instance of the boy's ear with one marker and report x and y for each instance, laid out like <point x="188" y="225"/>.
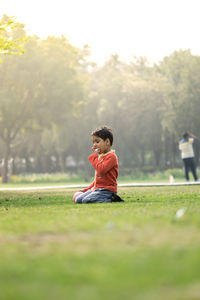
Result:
<point x="107" y="141"/>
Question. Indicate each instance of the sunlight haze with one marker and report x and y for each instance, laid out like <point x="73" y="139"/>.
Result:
<point x="151" y="28"/>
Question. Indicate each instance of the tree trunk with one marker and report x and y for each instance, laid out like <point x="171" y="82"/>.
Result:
<point x="142" y="157"/>
<point x="5" y="177"/>
<point x="167" y="158"/>
<point x="157" y="156"/>
<point x="174" y="146"/>
<point x="61" y="162"/>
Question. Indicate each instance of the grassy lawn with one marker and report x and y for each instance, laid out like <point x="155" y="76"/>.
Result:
<point x="51" y="248"/>
<point x="62" y="179"/>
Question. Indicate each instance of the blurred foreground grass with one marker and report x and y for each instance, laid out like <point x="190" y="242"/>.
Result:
<point x="140" y="249"/>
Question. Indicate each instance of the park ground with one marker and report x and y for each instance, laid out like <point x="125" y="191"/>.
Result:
<point x="145" y="248"/>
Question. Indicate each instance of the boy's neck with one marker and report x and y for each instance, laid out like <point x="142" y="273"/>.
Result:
<point x="108" y="150"/>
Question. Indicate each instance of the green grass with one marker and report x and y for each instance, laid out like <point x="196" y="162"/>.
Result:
<point x="65" y="178"/>
<point x="51" y="248"/>
<point x="44" y="179"/>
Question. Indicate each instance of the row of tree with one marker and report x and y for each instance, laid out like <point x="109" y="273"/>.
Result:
<point x="52" y="96"/>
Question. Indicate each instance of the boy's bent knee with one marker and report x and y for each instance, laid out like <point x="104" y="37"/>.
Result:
<point x="76" y="196"/>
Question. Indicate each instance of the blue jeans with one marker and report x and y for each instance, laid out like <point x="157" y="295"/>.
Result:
<point x="98" y="196"/>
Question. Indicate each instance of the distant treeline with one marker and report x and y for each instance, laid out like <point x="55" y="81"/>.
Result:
<point x="52" y="96"/>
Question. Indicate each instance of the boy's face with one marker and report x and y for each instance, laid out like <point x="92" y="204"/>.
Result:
<point x="100" y="145"/>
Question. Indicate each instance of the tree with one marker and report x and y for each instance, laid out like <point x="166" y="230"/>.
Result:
<point x="38" y="90"/>
<point x="10" y="40"/>
<point x="182" y="93"/>
<point x="129" y="99"/>
<point x="19" y="97"/>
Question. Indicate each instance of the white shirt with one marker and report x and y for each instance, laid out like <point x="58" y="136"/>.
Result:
<point x="185" y="146"/>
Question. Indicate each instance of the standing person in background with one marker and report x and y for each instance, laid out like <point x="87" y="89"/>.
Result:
<point x="187" y="155"/>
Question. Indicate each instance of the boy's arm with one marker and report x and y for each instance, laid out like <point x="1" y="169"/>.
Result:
<point x="88" y="188"/>
<point x="103" y="164"/>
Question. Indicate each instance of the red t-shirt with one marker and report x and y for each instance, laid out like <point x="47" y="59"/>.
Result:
<point x="106" y="171"/>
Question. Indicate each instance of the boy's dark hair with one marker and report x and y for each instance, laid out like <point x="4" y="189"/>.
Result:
<point x="104" y="133"/>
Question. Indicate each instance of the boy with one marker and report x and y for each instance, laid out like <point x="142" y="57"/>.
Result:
<point x="105" y="163"/>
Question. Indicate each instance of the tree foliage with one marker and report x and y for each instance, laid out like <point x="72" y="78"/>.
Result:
<point x="11" y="39"/>
<point x="38" y="90"/>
